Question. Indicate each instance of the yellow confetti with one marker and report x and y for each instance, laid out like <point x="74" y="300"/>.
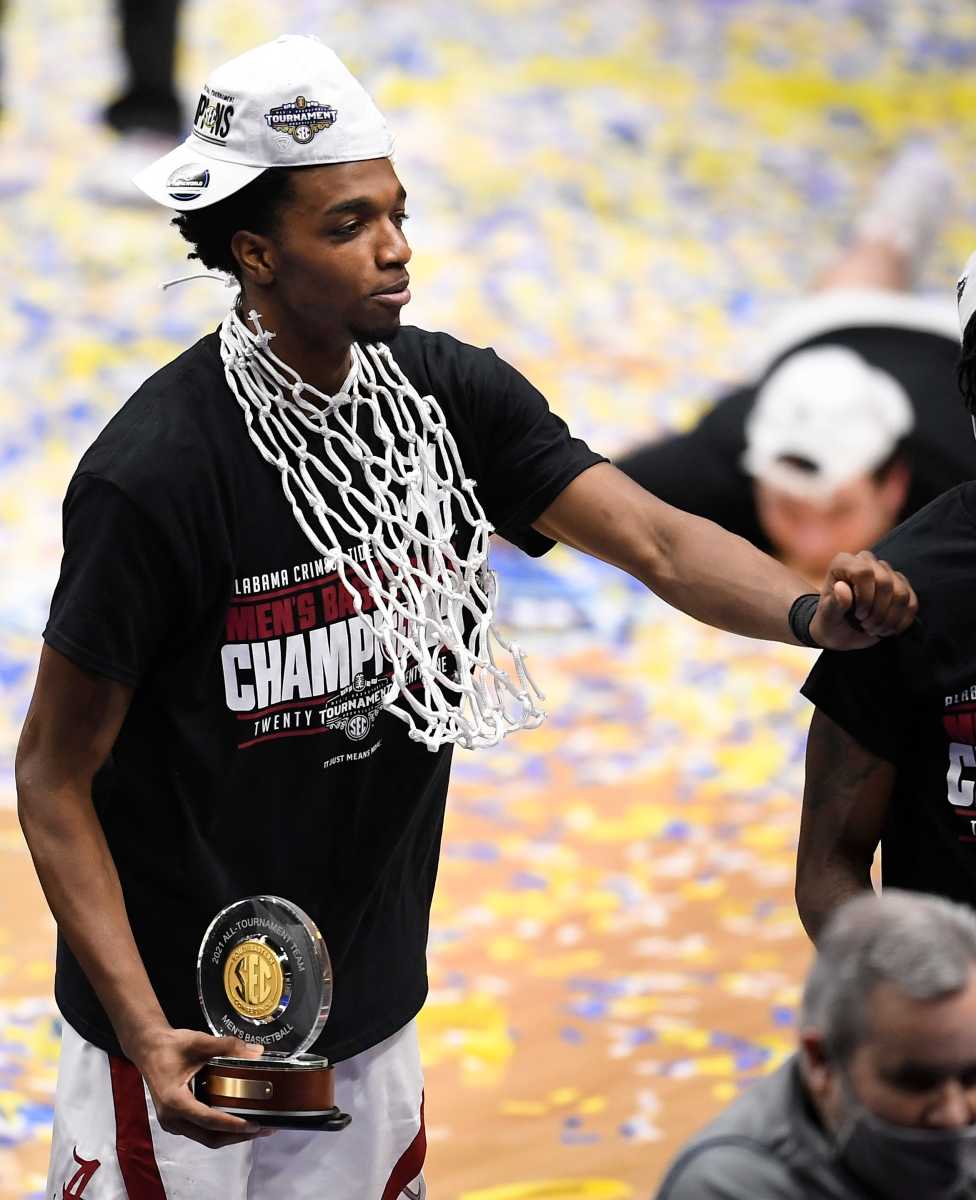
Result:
<point x="523" y="1108"/>
<point x="556" y="1189"/>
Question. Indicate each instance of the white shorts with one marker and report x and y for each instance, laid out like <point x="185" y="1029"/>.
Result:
<point x="108" y="1145"/>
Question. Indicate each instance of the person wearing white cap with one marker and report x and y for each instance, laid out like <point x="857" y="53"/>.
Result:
<point x="891" y="754"/>
<point x="851" y="421"/>
<point x="274" y="623"/>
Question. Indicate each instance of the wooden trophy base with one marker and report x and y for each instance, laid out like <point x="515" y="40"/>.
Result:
<point x="286" y="1093"/>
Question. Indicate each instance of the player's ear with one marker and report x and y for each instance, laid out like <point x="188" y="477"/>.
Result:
<point x="815" y="1062"/>
<point x="255" y="253"/>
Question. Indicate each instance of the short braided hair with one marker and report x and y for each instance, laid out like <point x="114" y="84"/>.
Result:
<point x="256" y="207"/>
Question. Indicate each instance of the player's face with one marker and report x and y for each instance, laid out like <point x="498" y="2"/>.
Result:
<point x="807" y="534"/>
<point x="902" y="1107"/>
<point x="340" y="255"/>
<point x="917" y="1067"/>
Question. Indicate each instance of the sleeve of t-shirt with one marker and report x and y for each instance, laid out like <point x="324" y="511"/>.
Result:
<point x="872" y="694"/>
<point x="865" y="693"/>
<point x="529" y="457"/>
<point x="729" y="1171"/>
<point x="120" y="589"/>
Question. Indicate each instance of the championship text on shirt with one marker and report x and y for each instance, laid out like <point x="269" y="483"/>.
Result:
<point x="253" y="584"/>
<point x="306" y="641"/>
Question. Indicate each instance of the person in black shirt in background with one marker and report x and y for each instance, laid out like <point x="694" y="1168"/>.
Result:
<point x="850" y="422"/>
<point x="891" y="754"/>
<point x="274" y="620"/>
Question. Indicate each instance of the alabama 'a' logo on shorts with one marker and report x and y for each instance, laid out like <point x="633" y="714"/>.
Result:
<point x="74" y="1189"/>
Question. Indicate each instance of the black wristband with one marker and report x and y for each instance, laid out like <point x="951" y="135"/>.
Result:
<point x="801" y="614"/>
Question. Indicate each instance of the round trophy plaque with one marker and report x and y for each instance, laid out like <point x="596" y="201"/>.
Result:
<point x="263" y="975"/>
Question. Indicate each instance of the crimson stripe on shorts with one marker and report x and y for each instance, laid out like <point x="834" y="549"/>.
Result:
<point x="410" y="1163"/>
<point x="133" y="1141"/>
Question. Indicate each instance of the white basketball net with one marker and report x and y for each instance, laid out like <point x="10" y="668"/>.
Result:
<point x="427" y="598"/>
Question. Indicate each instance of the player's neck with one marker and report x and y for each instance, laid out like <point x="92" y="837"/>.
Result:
<point x="325" y="367"/>
<point x="321" y="362"/>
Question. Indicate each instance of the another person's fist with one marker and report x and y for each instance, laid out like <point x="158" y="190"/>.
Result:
<point x="862" y="600"/>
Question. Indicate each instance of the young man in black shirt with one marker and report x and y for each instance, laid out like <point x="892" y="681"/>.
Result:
<point x="274" y="620"/>
<point x="849" y="422"/>
<point x="891" y="755"/>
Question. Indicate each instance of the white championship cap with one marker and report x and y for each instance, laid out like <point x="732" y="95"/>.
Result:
<point x="288" y="103"/>
<point x="966" y="293"/>
<point x="825" y="406"/>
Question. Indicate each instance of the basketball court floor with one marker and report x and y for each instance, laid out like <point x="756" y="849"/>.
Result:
<point x="617" y="197"/>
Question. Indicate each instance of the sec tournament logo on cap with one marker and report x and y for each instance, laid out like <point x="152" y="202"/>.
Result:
<point x="301" y="118"/>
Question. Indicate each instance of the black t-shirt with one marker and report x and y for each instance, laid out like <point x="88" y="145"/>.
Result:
<point x="912" y="701"/>
<point x="701" y="473"/>
<point x="239" y="768"/>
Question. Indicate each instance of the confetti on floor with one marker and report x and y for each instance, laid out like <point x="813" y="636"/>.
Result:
<point x="618" y="198"/>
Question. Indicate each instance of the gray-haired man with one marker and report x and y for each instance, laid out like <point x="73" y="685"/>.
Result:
<point x="880" y="1099"/>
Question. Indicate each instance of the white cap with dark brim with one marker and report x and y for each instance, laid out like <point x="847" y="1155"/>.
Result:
<point x="829" y="410"/>
<point x="288" y="103"/>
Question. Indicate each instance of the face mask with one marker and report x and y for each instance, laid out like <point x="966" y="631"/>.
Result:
<point x="902" y="1163"/>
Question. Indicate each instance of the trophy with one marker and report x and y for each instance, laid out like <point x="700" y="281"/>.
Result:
<point x="263" y="975"/>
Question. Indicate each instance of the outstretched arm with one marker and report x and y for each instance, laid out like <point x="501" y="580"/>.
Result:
<point x="845" y="801"/>
<point x="719" y="578"/>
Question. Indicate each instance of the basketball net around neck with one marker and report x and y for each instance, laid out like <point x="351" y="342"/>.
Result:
<point x="390" y="542"/>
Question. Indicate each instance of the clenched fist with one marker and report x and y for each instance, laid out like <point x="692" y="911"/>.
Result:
<point x="878" y="598"/>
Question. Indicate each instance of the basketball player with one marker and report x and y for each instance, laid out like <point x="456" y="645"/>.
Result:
<point x="274" y="621"/>
<point x="891" y="755"/>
